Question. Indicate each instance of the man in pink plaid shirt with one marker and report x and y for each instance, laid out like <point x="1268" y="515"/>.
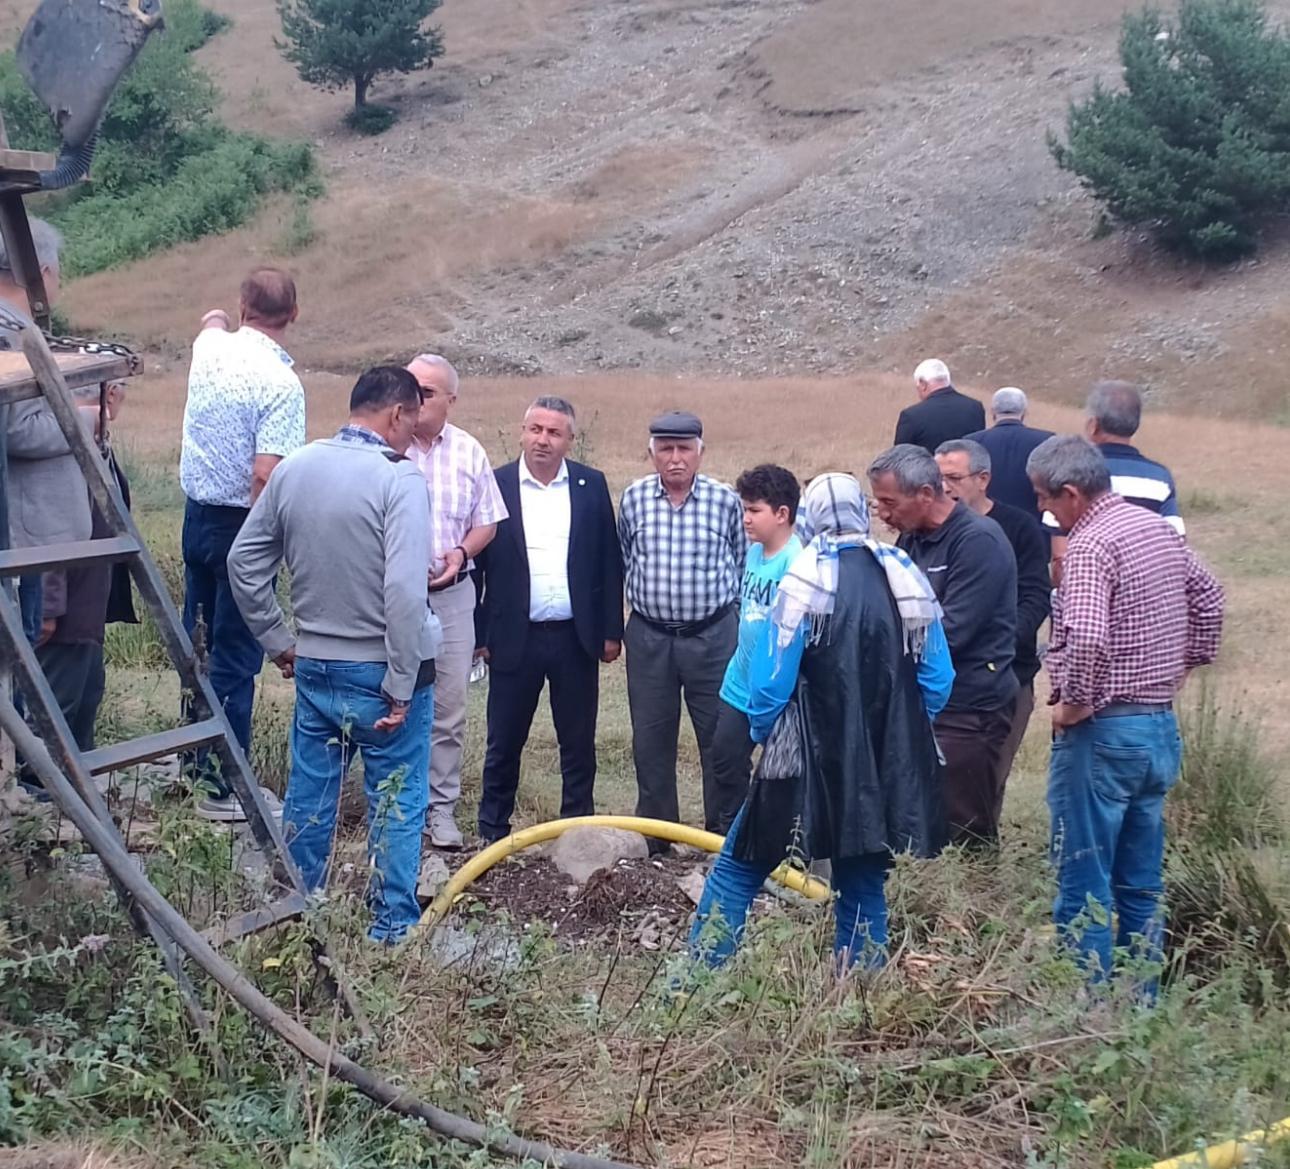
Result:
<point x="1136" y="611"/>
<point x="465" y="509"/>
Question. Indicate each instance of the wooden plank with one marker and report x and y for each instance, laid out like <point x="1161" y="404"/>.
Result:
<point x="17" y="383"/>
<point x="26" y="160"/>
<point x="19" y="561"/>
<point x="257" y="920"/>
<point x="149" y="747"/>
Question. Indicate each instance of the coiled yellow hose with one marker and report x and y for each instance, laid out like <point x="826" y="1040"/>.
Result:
<point x="474" y="868"/>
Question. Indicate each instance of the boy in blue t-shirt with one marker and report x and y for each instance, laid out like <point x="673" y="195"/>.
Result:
<point x="770" y="495"/>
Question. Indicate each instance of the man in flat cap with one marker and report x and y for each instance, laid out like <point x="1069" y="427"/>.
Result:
<point x="683" y="559"/>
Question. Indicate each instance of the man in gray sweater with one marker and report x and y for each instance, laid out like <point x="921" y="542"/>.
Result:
<point x="349" y="517"/>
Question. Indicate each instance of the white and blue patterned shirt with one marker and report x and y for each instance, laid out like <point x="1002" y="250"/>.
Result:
<point x="681" y="564"/>
<point x="244" y="400"/>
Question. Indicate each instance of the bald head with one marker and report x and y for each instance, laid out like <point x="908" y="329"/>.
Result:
<point x="269" y="299"/>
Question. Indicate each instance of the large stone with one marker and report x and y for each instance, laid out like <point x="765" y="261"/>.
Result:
<point x="586" y="850"/>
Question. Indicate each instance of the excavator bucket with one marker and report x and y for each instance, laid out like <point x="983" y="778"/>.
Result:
<point x="73" y="53"/>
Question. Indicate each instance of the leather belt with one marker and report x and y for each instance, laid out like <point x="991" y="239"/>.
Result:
<point x="684" y="628"/>
<point x="1124" y="709"/>
<point x="464" y="574"/>
<point x="550" y="626"/>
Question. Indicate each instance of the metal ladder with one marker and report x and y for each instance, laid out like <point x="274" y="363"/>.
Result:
<point x="209" y="727"/>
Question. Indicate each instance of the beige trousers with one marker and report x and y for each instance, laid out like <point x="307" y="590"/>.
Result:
<point x="455" y="608"/>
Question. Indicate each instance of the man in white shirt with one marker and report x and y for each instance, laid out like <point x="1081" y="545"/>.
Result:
<point x="245" y="412"/>
<point x="465" y="509"/>
<point x="551" y="609"/>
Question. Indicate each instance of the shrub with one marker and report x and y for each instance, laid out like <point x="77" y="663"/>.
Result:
<point x="1197" y="144"/>
<point x="370" y="119"/>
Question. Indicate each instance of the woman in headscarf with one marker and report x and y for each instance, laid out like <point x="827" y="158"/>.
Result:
<point x="855" y="633"/>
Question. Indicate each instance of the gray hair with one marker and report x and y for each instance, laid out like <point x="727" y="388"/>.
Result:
<point x="1069" y="460"/>
<point x="559" y="405"/>
<point x="48" y="240"/>
<point x="931" y="371"/>
<point x="436" y="361"/>
<point x="1009" y="402"/>
<point x="978" y="456"/>
<point x="1116" y="407"/>
<point x="673" y="438"/>
<point x="913" y="467"/>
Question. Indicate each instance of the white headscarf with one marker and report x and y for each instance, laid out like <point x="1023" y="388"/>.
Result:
<point x="837" y="512"/>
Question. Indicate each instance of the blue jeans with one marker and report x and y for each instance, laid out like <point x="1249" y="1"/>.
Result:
<point x="337" y="704"/>
<point x="234" y="656"/>
<point x="860" y="909"/>
<point x="1107" y="782"/>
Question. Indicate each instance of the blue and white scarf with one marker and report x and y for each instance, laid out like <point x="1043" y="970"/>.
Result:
<point x="837" y="512"/>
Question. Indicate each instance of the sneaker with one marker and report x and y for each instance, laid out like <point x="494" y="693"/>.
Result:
<point x="443" y="831"/>
<point x="228" y="809"/>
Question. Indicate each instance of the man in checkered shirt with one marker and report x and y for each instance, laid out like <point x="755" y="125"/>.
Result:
<point x="683" y="560"/>
<point x="1135" y="612"/>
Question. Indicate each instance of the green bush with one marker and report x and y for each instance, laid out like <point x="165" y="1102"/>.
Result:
<point x="1196" y="146"/>
<point x="371" y="119"/>
<point x="166" y="170"/>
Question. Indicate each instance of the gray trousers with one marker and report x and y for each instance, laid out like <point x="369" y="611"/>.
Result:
<point x="661" y="669"/>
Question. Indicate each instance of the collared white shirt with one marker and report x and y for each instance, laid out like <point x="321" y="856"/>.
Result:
<point x="463" y="492"/>
<point x="547" y="516"/>
<point x="244" y="400"/>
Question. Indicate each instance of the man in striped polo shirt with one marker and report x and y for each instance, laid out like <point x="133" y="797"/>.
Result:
<point x="1113" y="414"/>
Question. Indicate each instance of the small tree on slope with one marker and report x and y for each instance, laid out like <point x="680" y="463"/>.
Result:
<point x="334" y="43"/>
<point x="1197" y="145"/>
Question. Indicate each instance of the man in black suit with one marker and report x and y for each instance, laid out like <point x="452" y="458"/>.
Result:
<point x="550" y="609"/>
<point x="942" y="413"/>
<point x="1009" y="442"/>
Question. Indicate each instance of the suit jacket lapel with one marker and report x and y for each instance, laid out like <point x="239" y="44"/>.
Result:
<point x="577" y="507"/>
<point x="508" y="483"/>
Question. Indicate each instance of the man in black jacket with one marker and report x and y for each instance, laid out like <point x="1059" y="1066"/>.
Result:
<point x="550" y="609"/>
<point x="973" y="571"/>
<point x="1009" y="443"/>
<point x="941" y="413"/>
<point x="965" y="469"/>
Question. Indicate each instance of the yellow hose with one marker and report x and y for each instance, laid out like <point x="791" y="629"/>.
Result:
<point x="478" y="865"/>
<point x="1229" y="1154"/>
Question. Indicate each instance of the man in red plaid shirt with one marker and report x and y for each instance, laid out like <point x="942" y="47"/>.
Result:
<point x="1136" y="611"/>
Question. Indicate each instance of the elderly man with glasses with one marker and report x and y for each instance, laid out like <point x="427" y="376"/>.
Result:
<point x="465" y="509"/>
<point x="966" y="472"/>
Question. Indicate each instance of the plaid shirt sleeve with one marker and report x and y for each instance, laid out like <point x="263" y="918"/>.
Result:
<point x="1204" y="613"/>
<point x="1085" y="617"/>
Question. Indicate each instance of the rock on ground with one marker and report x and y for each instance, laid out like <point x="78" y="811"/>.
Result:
<point x="583" y="851"/>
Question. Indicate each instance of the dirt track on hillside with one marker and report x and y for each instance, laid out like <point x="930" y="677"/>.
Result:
<point x="656" y="185"/>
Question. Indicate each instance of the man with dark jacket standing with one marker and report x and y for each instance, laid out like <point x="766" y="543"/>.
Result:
<point x="941" y="412"/>
<point x="973" y="572"/>
<point x="965" y="469"/>
<point x="1009" y="443"/>
<point x="550" y="610"/>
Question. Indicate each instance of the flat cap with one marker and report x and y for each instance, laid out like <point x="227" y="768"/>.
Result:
<point x="676" y="424"/>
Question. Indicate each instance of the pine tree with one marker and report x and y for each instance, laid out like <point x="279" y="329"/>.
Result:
<point x="334" y="43"/>
<point x="1197" y="144"/>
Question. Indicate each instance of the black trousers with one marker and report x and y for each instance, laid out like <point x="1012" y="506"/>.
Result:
<point x="972" y="742"/>
<point x="552" y="654"/>
<point x="732" y="750"/>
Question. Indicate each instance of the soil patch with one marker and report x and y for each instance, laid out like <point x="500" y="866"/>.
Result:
<point x="638" y="900"/>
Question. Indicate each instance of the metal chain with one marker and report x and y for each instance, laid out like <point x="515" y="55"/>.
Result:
<point x="88" y="345"/>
